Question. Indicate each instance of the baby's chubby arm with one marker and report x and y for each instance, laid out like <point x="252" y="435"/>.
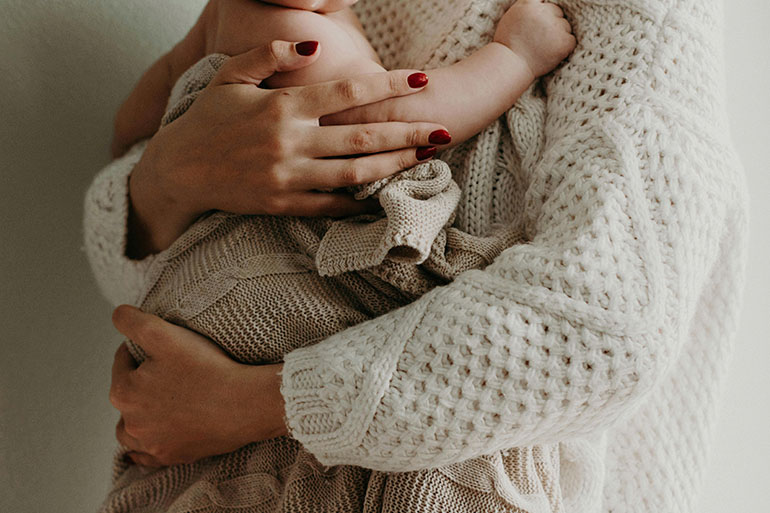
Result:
<point x="531" y="39"/>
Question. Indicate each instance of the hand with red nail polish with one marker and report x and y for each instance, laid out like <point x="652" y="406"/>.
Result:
<point x="247" y="168"/>
<point x="378" y="118"/>
<point x="234" y="27"/>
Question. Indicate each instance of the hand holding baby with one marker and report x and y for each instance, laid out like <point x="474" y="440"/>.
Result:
<point x="537" y="32"/>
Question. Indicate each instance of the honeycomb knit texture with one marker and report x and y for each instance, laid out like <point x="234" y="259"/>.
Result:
<point x="607" y="332"/>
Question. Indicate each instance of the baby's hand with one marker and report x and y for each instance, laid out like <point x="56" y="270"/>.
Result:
<point x="537" y="32"/>
<point x="314" y="5"/>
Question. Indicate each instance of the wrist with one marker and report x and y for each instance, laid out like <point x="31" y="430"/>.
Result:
<point x="156" y="215"/>
<point x="515" y="60"/>
<point x="265" y="407"/>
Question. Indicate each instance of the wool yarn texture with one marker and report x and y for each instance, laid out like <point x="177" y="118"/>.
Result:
<point x="597" y="344"/>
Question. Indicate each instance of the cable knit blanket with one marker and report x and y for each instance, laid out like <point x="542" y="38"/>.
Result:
<point x="597" y="346"/>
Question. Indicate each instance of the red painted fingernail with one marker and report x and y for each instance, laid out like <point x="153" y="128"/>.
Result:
<point x="440" y="137"/>
<point x="306" y="48"/>
<point x="417" y="80"/>
<point x="426" y="152"/>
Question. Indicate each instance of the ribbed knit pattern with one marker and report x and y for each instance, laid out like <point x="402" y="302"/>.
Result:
<point x="608" y="331"/>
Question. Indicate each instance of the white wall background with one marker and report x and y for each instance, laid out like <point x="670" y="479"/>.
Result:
<point x="64" y="68"/>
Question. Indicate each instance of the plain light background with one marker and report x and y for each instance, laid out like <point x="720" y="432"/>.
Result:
<point x="64" y="68"/>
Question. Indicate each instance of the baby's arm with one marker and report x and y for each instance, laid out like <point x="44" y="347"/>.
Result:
<point x="531" y="39"/>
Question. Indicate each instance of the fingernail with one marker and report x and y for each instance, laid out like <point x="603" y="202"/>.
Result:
<point x="417" y="80"/>
<point x="426" y="152"/>
<point x="440" y="137"/>
<point x="306" y="48"/>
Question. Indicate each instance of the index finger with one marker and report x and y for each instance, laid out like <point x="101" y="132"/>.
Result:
<point x="318" y="100"/>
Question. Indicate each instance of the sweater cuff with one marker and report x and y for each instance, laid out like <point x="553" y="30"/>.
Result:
<point x="333" y="389"/>
<point x="105" y="223"/>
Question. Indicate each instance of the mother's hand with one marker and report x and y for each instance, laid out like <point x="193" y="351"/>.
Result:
<point x="188" y="400"/>
<point x="248" y="150"/>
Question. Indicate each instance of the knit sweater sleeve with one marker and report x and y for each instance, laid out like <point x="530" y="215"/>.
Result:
<point x="561" y="336"/>
<point x="105" y="215"/>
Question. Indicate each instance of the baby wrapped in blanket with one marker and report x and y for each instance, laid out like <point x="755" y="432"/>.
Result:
<point x="262" y="286"/>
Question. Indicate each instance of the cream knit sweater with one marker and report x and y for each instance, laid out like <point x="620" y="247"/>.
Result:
<point x="607" y="332"/>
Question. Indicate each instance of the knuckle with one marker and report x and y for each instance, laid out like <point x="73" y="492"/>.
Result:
<point x="350" y="90"/>
<point x="396" y="82"/>
<point x="276" y="180"/>
<point x="274" y="52"/>
<point x="363" y="141"/>
<point x="277" y="149"/>
<point x="404" y="160"/>
<point x="277" y="205"/>
<point x="351" y="173"/>
<point x="414" y="137"/>
<point x="280" y="104"/>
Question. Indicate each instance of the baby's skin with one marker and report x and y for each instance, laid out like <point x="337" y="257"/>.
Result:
<point x="531" y="39"/>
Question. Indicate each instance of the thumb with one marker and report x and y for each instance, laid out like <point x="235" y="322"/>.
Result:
<point x="148" y="331"/>
<point x="256" y="65"/>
